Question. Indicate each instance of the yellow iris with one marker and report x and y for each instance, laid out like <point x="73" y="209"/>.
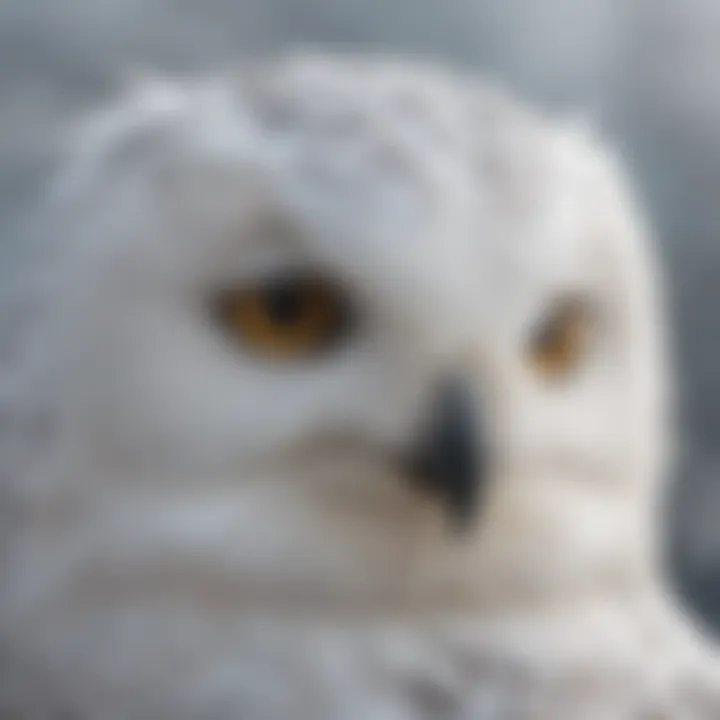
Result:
<point x="560" y="344"/>
<point x="285" y="319"/>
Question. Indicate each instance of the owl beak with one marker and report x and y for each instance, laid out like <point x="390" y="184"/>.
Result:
<point x="451" y="462"/>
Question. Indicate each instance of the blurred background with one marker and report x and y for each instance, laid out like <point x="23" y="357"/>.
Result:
<point x="646" y="71"/>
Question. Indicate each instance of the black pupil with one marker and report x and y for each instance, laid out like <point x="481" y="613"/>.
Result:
<point x="284" y="303"/>
<point x="551" y="335"/>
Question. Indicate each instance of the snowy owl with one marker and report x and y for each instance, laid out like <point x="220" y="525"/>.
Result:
<point x="335" y="389"/>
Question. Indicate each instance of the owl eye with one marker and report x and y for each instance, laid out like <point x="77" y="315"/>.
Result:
<point x="560" y="343"/>
<point x="289" y="318"/>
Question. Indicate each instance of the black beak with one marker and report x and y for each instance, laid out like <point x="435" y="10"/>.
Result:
<point x="451" y="462"/>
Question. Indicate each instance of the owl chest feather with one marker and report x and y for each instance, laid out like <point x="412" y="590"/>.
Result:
<point x="277" y="670"/>
<point x="468" y="672"/>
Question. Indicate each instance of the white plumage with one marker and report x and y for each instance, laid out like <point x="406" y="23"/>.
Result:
<point x="191" y="531"/>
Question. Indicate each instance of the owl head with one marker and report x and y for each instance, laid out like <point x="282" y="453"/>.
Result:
<point x="339" y="334"/>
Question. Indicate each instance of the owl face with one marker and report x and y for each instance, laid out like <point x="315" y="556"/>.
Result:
<point x="315" y="317"/>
